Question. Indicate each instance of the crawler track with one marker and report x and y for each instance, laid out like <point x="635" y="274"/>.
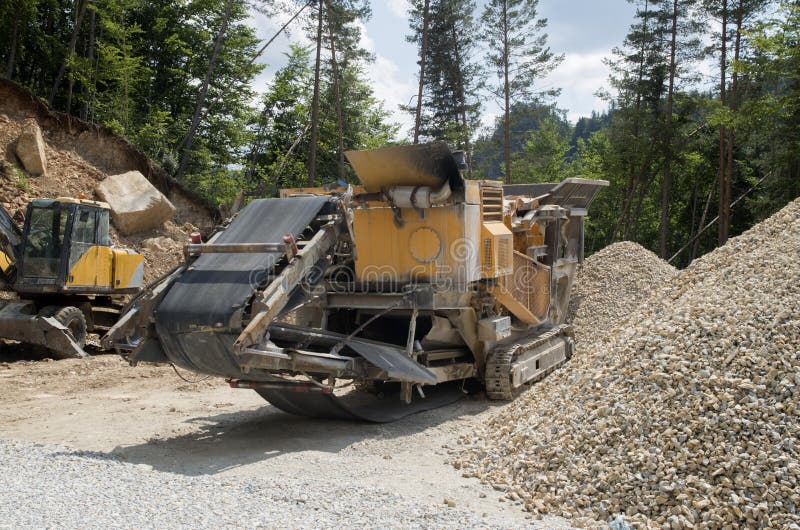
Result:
<point x="499" y="384"/>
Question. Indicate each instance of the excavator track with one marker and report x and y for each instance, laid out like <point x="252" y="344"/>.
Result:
<point x="502" y="360"/>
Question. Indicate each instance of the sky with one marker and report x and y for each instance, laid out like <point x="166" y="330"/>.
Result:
<point x="585" y="31"/>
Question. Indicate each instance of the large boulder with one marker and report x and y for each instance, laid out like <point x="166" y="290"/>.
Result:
<point x="136" y="205"/>
<point x="30" y="149"/>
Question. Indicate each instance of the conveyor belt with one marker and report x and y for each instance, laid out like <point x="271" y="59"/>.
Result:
<point x="200" y="316"/>
<point x="361" y="406"/>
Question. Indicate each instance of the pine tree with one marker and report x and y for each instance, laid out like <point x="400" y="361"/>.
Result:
<point x="519" y="53"/>
<point x="683" y="48"/>
<point x="451" y="81"/>
<point x="639" y="70"/>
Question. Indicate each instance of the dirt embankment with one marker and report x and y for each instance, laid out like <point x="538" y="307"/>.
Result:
<point x="79" y="155"/>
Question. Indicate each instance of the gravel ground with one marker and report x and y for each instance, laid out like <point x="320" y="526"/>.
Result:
<point x="47" y="486"/>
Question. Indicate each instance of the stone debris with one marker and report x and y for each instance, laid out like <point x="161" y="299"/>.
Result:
<point x="136" y="205"/>
<point x="159" y="244"/>
<point x="30" y="149"/>
<point x="610" y="285"/>
<point x="685" y="416"/>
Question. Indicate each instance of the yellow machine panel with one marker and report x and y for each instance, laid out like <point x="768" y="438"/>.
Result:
<point x="497" y="250"/>
<point x="440" y="244"/>
<point x="107" y="268"/>
<point x="5" y="262"/>
<point x="85" y="271"/>
<point x="128" y="269"/>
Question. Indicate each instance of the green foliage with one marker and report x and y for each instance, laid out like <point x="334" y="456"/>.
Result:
<point x="136" y="68"/>
<point x="20" y="179"/>
<point x="526" y="120"/>
<point x="278" y="155"/>
<point x="451" y="101"/>
<point x="544" y="156"/>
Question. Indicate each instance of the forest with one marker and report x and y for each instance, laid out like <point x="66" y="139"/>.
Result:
<point x="694" y="154"/>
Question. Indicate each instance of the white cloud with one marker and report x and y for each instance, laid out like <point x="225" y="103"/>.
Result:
<point x="579" y="77"/>
<point x="399" y="8"/>
<point x="388" y="86"/>
<point x="366" y="41"/>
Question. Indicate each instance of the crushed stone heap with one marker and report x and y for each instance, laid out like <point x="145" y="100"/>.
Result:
<point x="610" y="285"/>
<point x="690" y="415"/>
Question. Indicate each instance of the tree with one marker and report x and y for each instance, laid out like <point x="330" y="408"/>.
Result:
<point x="684" y="46"/>
<point x="420" y="34"/>
<point x="70" y="50"/>
<point x="312" y="166"/>
<point x="517" y="49"/>
<point x="279" y="152"/>
<point x="639" y="70"/>
<point x="451" y="78"/>
<point x="335" y="29"/>
<point x="201" y="97"/>
<point x="544" y="155"/>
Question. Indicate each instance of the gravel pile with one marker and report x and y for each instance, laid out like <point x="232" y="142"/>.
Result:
<point x="52" y="487"/>
<point x="610" y="285"/>
<point x="690" y="418"/>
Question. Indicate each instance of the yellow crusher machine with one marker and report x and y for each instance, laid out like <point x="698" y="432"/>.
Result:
<point x="69" y="278"/>
<point x="378" y="300"/>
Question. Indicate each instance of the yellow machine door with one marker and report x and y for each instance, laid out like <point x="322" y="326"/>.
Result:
<point x="83" y="255"/>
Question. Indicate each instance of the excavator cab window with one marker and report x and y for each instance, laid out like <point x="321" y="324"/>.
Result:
<point x="84" y="233"/>
<point x="42" y="252"/>
<point x="103" y="237"/>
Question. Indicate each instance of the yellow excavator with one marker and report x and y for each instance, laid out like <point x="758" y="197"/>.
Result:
<point x="417" y="284"/>
<point x="69" y="278"/>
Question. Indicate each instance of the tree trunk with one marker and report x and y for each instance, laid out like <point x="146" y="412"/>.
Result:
<point x="70" y="87"/>
<point x="312" y="155"/>
<point x="702" y="222"/>
<point x="88" y="92"/>
<point x="201" y="98"/>
<point x="12" y="52"/>
<point x="623" y="224"/>
<point x="423" y="54"/>
<point x="724" y="186"/>
<point x="338" y="94"/>
<point x="732" y="104"/>
<point x="462" y="100"/>
<point x="666" y="183"/>
<point x="70" y="49"/>
<point x="507" y="96"/>
<point x="645" y="184"/>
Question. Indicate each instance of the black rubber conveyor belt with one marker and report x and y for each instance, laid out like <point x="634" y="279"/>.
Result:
<point x="361" y="405"/>
<point x="197" y="319"/>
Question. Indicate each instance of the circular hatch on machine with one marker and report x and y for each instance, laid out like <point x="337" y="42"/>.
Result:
<point x="425" y="244"/>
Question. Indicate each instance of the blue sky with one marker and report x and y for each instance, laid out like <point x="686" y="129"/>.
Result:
<point x="584" y="30"/>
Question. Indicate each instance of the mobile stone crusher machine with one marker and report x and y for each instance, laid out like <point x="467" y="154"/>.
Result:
<point x="413" y="279"/>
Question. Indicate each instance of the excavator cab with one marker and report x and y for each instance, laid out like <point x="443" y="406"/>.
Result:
<point x="66" y="247"/>
<point x="68" y="276"/>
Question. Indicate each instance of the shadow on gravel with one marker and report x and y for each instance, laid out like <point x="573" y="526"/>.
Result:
<point x="227" y="441"/>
